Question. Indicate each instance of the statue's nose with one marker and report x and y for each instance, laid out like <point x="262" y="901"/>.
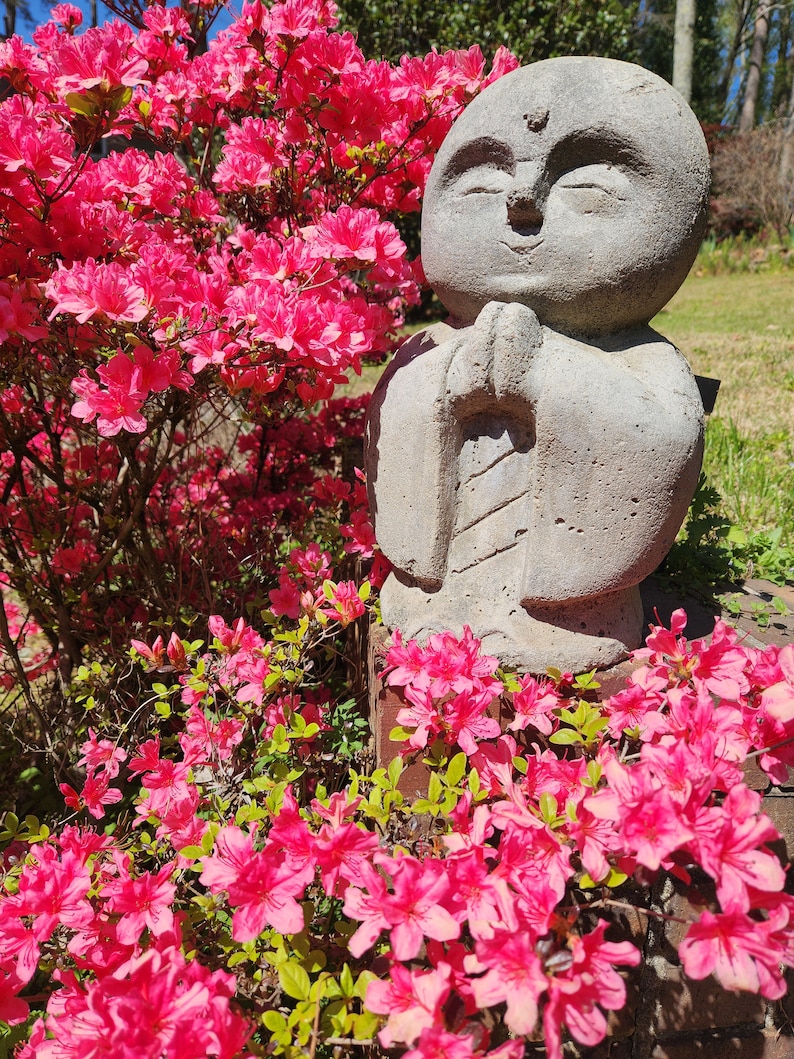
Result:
<point x="523" y="208"/>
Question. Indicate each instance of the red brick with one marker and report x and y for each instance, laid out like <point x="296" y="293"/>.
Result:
<point x="757" y="1046"/>
<point x="685" y="1005"/>
<point x="780" y="808"/>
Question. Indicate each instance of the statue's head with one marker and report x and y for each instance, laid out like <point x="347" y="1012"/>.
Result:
<point x="576" y="186"/>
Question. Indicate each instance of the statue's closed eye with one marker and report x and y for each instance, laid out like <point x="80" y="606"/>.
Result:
<point x="483" y="180"/>
<point x="593" y="188"/>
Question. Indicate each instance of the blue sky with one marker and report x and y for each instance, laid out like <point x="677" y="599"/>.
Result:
<point x="40" y="12"/>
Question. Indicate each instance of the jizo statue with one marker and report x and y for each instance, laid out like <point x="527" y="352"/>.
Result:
<point x="531" y="459"/>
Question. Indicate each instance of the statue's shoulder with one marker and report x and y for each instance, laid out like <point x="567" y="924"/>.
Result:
<point x="640" y="342"/>
<point x="430" y="337"/>
<point x="422" y="355"/>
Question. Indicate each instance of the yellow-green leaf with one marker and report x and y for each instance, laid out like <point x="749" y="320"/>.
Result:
<point x="294" y="980"/>
<point x="456" y="769"/>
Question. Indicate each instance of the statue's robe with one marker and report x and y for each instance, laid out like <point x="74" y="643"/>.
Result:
<point x="568" y="480"/>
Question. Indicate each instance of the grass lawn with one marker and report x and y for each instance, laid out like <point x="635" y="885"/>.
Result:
<point x="740" y="329"/>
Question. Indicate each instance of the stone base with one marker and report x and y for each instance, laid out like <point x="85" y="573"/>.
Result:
<point x="586" y="634"/>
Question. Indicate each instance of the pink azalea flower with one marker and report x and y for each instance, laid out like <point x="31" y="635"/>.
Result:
<point x="417" y="907"/>
<point x="367" y="906"/>
<point x="731" y="850"/>
<point x="340" y="852"/>
<point x="438" y="1043"/>
<point x="95" y="795"/>
<point x="737" y="949"/>
<point x="98" y="753"/>
<point x="778" y="700"/>
<point x="412" y="1000"/>
<point x="586" y="979"/>
<point x="262" y="888"/>
<point x="345" y="604"/>
<point x="90" y="288"/>
<point x="533" y="705"/>
<point x="144" y="903"/>
<point x="13" y="1009"/>
<point x="513" y="974"/>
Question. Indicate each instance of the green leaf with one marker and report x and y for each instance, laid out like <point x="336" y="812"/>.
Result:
<point x="365" y="1026"/>
<point x="191" y="852"/>
<point x="274" y="1021"/>
<point x="395" y="770"/>
<point x="594" y="726"/>
<point x="422" y="806"/>
<point x="80" y="104"/>
<point x="548" y="806"/>
<point x="434" y="788"/>
<point x="346" y="983"/>
<point x="456" y="769"/>
<point x="586" y="681"/>
<point x="520" y="764"/>
<point x="363" y="981"/>
<point x="593" y="773"/>
<point x="294" y="980"/>
<point x="399" y="734"/>
<point x="613" y="879"/>
<point x="565" y="737"/>
<point x="120" y="98"/>
<point x="315" y="961"/>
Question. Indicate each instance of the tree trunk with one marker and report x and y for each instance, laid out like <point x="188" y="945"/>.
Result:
<point x="684" y="47"/>
<point x="740" y="30"/>
<point x="786" y="173"/>
<point x="10" y="20"/>
<point x="753" y="83"/>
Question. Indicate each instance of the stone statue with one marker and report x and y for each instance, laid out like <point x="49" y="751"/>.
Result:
<point x="531" y="459"/>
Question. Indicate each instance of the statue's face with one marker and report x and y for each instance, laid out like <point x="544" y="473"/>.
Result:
<point x="558" y="189"/>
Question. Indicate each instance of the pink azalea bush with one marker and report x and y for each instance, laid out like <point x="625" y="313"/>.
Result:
<point x="240" y="902"/>
<point x="187" y="562"/>
<point x="197" y="247"/>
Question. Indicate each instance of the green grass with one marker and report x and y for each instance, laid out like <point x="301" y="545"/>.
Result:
<point x="739" y="328"/>
<point x="758" y="253"/>
<point x="756" y="485"/>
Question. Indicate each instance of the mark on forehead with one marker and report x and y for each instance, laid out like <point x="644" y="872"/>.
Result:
<point x="537" y="119"/>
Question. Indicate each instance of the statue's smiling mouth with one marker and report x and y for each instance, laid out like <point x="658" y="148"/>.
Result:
<point x="526" y="246"/>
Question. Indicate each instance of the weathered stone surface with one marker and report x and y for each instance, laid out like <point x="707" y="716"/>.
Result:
<point x="530" y="461"/>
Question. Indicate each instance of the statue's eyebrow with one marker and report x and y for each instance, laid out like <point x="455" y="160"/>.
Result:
<point x="483" y="151"/>
<point x="598" y="146"/>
